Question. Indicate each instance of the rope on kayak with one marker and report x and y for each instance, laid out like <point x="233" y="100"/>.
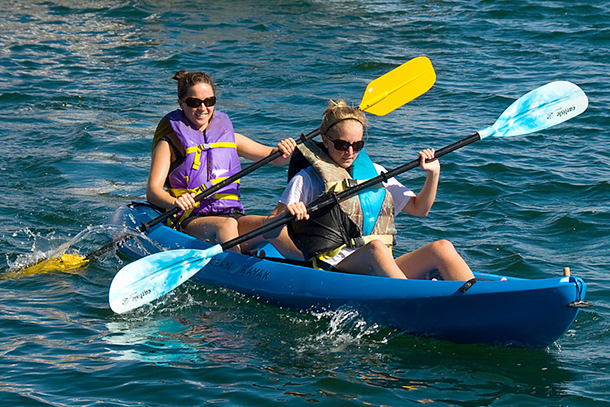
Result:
<point x="579" y="303"/>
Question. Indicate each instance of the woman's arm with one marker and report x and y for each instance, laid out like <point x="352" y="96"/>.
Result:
<point x="295" y="195"/>
<point x="254" y="151"/>
<point x="420" y="204"/>
<point x="159" y="169"/>
<point x="296" y="209"/>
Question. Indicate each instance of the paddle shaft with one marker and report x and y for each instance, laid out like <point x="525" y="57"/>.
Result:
<point x="336" y="198"/>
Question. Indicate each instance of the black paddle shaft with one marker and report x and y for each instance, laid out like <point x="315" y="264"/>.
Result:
<point x="335" y="198"/>
<point x="209" y="191"/>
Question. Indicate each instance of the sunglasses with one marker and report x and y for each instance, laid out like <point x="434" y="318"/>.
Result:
<point x="343" y="145"/>
<point x="196" y="102"/>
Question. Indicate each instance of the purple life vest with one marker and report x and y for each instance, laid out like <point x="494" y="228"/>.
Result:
<point x="211" y="157"/>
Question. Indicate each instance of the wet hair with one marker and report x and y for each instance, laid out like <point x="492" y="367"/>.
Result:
<point x="186" y="80"/>
<point x="338" y="112"/>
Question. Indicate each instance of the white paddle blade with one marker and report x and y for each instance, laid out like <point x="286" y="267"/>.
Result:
<point x="539" y="109"/>
<point x="151" y="277"/>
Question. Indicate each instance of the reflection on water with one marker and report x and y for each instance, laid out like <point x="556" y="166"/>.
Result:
<point x="194" y="325"/>
<point x="313" y="355"/>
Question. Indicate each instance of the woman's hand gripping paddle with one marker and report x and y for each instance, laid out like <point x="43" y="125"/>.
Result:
<point x="383" y="95"/>
<point x="153" y="276"/>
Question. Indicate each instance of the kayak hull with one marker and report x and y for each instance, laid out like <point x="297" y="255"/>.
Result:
<point x="514" y="312"/>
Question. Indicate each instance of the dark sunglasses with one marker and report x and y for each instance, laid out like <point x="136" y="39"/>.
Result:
<point x="343" y="145"/>
<point x="196" y="102"/>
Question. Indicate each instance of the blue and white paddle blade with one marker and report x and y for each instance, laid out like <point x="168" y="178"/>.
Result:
<point x="539" y="109"/>
<point x="151" y="277"/>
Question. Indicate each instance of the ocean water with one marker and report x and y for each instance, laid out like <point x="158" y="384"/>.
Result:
<point x="82" y="87"/>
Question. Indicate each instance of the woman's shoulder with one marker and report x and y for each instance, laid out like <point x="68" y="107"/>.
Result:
<point x="163" y="127"/>
<point x="307" y="179"/>
<point x="305" y="186"/>
<point x="163" y="130"/>
<point x="308" y="174"/>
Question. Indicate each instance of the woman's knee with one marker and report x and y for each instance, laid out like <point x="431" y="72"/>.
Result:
<point x="229" y="225"/>
<point x="378" y="249"/>
<point x="442" y="247"/>
<point x="251" y="221"/>
<point x="376" y="245"/>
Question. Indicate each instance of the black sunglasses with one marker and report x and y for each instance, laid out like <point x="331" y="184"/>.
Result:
<point x="196" y="102"/>
<point x="343" y="145"/>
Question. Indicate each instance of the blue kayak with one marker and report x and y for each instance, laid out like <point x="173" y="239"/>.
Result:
<point x="511" y="312"/>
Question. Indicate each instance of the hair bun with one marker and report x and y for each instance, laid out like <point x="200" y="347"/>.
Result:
<point x="339" y="104"/>
<point x="338" y="112"/>
<point x="179" y="75"/>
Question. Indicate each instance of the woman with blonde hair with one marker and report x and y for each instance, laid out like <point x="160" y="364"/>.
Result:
<point x="357" y="235"/>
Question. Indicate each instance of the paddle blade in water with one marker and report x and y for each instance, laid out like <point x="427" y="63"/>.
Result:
<point x="66" y="262"/>
<point x="539" y="109"/>
<point x="153" y="276"/>
<point x="399" y="86"/>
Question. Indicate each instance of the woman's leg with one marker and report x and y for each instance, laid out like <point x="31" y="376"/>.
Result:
<point x="374" y="258"/>
<point x="439" y="255"/>
<point x="214" y="229"/>
<point x="283" y="243"/>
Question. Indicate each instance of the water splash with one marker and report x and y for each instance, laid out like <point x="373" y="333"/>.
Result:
<point x="345" y="327"/>
<point x="92" y="244"/>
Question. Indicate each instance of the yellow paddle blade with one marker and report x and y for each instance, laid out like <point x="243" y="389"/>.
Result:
<point x="66" y="262"/>
<point x="399" y="86"/>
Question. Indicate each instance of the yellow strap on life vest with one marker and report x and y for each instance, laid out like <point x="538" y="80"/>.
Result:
<point x="233" y="197"/>
<point x="202" y="147"/>
<point x="388" y="240"/>
<point x="175" y="192"/>
<point x="220" y="179"/>
<point x="225" y="144"/>
<point x="181" y="191"/>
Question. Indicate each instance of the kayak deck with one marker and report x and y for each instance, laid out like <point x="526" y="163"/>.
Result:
<point x="513" y="311"/>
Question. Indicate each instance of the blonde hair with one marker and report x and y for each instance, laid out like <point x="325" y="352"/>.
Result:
<point x="339" y="112"/>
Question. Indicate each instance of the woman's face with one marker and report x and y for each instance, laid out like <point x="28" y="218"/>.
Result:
<point x="350" y="131"/>
<point x="199" y="116"/>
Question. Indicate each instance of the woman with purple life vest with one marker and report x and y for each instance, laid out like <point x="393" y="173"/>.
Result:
<point x="194" y="148"/>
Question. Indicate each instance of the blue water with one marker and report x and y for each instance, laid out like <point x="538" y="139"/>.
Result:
<point x="82" y="87"/>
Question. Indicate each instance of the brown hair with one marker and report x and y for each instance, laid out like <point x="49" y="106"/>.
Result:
<point x="338" y="112"/>
<point x="186" y="80"/>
